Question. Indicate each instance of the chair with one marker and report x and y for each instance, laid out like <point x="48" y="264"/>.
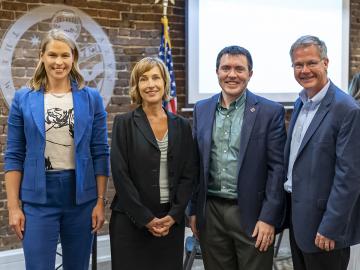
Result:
<point x="276" y="251"/>
<point x="192" y="251"/>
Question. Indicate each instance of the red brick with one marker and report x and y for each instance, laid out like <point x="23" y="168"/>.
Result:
<point x="109" y="14"/>
<point x="90" y="12"/>
<point x="157" y="9"/>
<point x="7" y="5"/>
<point x="7" y="15"/>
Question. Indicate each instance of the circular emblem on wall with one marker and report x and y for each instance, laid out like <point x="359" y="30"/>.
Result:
<point x="20" y="46"/>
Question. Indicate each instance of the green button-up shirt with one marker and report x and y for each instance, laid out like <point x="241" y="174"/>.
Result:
<point x="225" y="146"/>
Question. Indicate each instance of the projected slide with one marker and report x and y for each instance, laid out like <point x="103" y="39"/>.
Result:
<point x="267" y="28"/>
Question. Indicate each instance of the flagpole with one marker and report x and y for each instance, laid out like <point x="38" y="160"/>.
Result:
<point x="165" y="5"/>
<point x="165" y="54"/>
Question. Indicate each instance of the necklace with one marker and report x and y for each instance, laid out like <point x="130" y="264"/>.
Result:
<point x="58" y="95"/>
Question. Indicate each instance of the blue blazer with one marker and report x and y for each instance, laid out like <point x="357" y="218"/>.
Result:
<point x="261" y="171"/>
<point x="326" y="173"/>
<point x="26" y="143"/>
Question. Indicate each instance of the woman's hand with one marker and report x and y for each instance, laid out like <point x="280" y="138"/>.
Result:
<point x="16" y="215"/>
<point x="17" y="221"/>
<point x="166" y="223"/>
<point x="160" y="226"/>
<point x="154" y="228"/>
<point x="98" y="216"/>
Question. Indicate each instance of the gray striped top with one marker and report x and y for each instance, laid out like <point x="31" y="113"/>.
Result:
<point x="163" y="177"/>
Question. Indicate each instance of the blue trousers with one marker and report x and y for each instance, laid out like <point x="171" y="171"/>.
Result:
<point x="59" y="217"/>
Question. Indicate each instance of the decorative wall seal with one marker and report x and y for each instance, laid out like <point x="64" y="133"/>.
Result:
<point x="96" y="61"/>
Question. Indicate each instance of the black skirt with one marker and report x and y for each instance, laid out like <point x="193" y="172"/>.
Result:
<point x="137" y="249"/>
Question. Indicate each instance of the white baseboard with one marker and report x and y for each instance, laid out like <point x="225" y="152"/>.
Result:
<point x="14" y="259"/>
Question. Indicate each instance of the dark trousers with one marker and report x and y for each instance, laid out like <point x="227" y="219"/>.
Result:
<point x="224" y="246"/>
<point x="337" y="259"/>
<point x="60" y="216"/>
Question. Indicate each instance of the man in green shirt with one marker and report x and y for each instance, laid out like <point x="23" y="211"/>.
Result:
<point x="240" y="140"/>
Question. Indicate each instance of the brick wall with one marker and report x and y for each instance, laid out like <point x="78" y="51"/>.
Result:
<point x="133" y="27"/>
<point x="354" y="61"/>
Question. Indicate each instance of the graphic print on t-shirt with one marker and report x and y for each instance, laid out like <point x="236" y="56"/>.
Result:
<point x="59" y="124"/>
<point x="59" y="118"/>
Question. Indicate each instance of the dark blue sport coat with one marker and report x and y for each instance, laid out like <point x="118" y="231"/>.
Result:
<point x="261" y="171"/>
<point x="326" y="173"/>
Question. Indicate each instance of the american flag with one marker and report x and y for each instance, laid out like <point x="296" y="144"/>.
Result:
<point x="165" y="55"/>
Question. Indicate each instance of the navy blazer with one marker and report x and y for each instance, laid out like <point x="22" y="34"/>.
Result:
<point x="26" y="143"/>
<point x="261" y="171"/>
<point x="326" y="173"/>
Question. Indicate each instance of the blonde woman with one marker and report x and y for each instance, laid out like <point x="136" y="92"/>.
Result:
<point x="153" y="169"/>
<point x="56" y="160"/>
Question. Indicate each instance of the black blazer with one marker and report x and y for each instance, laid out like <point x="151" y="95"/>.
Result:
<point x="135" y="165"/>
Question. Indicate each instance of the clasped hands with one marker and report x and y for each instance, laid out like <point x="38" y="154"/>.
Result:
<point x="160" y="226"/>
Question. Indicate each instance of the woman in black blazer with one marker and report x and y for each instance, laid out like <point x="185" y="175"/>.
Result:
<point x="153" y="169"/>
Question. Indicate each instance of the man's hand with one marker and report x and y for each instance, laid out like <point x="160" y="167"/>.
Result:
<point x="265" y="234"/>
<point x="324" y="243"/>
<point x="192" y="223"/>
<point x="17" y="221"/>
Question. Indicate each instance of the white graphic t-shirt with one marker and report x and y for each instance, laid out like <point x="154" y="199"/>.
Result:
<point x="59" y="131"/>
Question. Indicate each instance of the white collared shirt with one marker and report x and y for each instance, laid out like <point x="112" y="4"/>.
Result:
<point x="303" y="121"/>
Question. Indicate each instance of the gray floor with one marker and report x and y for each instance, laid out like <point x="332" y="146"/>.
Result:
<point x="283" y="263"/>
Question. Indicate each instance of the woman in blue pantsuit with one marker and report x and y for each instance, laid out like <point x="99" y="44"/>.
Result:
<point x="56" y="160"/>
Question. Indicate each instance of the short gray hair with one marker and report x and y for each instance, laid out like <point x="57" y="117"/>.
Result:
<point x="306" y="41"/>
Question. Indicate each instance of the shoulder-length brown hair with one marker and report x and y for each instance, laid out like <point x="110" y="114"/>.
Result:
<point x="144" y="65"/>
<point x="39" y="78"/>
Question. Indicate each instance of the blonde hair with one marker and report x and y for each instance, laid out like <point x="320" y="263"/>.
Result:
<point x="144" y="65"/>
<point x="39" y="78"/>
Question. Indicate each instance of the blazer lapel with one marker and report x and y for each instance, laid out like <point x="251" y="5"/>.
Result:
<point x="207" y="127"/>
<point x="250" y="113"/>
<point x="81" y="113"/>
<point x="143" y="125"/>
<point x="172" y="127"/>
<point x="297" y="107"/>
<point x="37" y="110"/>
<point x="319" y="116"/>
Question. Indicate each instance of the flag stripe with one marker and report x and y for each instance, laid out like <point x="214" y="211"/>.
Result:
<point x="166" y="56"/>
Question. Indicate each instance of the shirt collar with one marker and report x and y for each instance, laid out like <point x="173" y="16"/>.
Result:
<point x="235" y="104"/>
<point x="315" y="100"/>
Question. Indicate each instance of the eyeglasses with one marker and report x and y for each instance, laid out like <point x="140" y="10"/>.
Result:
<point x="310" y="65"/>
